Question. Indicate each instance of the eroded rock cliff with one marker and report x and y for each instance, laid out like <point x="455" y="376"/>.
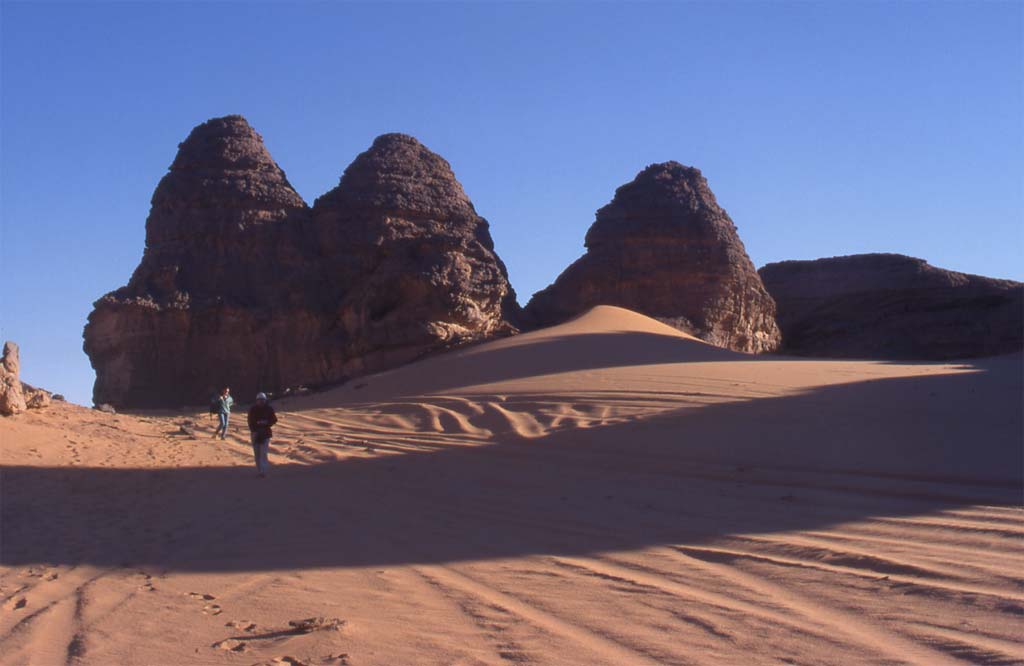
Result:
<point x="891" y="306"/>
<point x="663" y="247"/>
<point x="243" y="285"/>
<point x="405" y="257"/>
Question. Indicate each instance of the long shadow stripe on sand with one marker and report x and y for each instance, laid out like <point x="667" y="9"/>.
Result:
<point x="631" y="490"/>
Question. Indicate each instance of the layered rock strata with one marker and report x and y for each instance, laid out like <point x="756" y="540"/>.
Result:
<point x="242" y="284"/>
<point x="890" y="306"/>
<point x="663" y="247"/>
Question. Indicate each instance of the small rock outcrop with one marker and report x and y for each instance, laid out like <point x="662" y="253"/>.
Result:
<point x="12" y="397"/>
<point x="15" y="395"/>
<point x="36" y="398"/>
<point x="243" y="285"/>
<point x="890" y="306"/>
<point x="664" y="248"/>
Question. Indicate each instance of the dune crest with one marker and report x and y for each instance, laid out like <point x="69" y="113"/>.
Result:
<point x="663" y="246"/>
<point x="612" y="318"/>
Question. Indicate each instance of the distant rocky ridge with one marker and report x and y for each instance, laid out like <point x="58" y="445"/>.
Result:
<point x="890" y="306"/>
<point x="664" y="248"/>
<point x="242" y="284"/>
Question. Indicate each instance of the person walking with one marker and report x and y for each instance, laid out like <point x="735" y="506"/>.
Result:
<point x="261" y="418"/>
<point x="224" y="403"/>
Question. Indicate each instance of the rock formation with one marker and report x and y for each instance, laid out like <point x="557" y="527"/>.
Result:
<point x="209" y="303"/>
<point x="15" y="395"/>
<point x="243" y="285"/>
<point x="890" y="306"/>
<point x="407" y="263"/>
<point x="36" y="398"/>
<point x="664" y="248"/>
<point x="12" y="398"/>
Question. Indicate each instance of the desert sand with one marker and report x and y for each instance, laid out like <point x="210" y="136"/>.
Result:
<point x="607" y="491"/>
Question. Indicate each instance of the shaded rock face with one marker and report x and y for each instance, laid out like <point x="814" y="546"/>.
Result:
<point x="222" y="222"/>
<point x="407" y="262"/>
<point x="12" y="397"/>
<point x="663" y="247"/>
<point x="207" y="304"/>
<point x="890" y="306"/>
<point x="240" y="286"/>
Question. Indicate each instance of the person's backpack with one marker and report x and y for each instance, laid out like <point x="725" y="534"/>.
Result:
<point x="215" y="405"/>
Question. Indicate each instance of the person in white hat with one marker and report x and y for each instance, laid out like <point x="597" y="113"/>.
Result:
<point x="261" y="418"/>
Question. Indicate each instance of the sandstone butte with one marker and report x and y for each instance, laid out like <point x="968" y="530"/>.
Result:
<point x="242" y="284"/>
<point x="663" y="247"/>
<point x="890" y="306"/>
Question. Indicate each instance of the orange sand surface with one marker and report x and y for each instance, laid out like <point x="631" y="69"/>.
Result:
<point x="608" y="491"/>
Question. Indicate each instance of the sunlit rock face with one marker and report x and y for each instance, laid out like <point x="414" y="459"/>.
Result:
<point x="891" y="306"/>
<point x="663" y="247"/>
<point x="12" y="392"/>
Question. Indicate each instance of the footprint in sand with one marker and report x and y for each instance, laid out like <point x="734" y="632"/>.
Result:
<point x="208" y="609"/>
<point x="286" y="660"/>
<point x="146" y="583"/>
<point x="230" y="644"/>
<point x="340" y="659"/>
<point x="15" y="603"/>
<point x="242" y="625"/>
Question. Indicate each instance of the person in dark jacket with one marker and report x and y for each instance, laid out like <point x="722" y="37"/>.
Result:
<point x="261" y="418"/>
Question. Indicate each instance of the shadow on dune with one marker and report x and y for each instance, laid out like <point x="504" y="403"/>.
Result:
<point x="686" y="477"/>
<point x="518" y="358"/>
<point x="510" y="359"/>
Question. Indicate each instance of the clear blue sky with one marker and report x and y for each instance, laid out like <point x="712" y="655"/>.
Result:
<point x="823" y="128"/>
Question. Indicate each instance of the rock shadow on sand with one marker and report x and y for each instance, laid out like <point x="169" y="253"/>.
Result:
<point x="682" y="478"/>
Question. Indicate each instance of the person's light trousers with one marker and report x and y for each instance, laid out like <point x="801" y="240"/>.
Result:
<point x="260" y="449"/>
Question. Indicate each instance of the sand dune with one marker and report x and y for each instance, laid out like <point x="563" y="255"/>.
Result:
<point x="608" y="491"/>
